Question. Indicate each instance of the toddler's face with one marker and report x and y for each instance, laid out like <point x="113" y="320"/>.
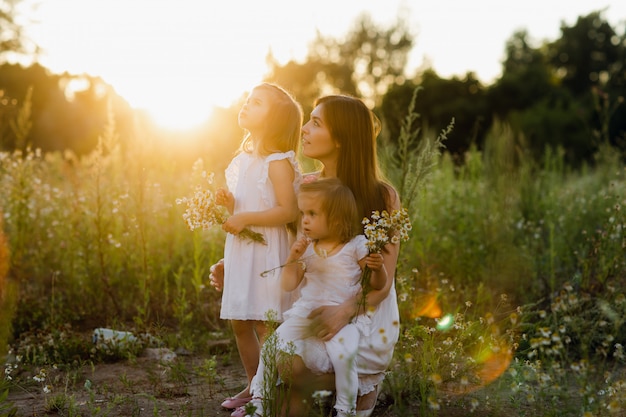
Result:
<point x="314" y="222"/>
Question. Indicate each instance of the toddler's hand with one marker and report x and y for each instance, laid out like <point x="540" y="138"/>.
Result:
<point x="298" y="248"/>
<point x="374" y="261"/>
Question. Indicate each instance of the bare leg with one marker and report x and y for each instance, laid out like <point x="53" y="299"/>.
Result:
<point x="303" y="384"/>
<point x="367" y="401"/>
<point x="248" y="335"/>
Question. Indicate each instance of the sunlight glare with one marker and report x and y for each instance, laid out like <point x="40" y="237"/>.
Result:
<point x="426" y="306"/>
<point x="445" y="323"/>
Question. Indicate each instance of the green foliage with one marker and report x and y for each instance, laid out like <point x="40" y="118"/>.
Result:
<point x="98" y="241"/>
<point x="91" y="236"/>
<point x="7" y="409"/>
<point x="365" y="62"/>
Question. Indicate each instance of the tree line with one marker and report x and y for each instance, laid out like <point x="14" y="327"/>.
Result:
<point x="566" y="94"/>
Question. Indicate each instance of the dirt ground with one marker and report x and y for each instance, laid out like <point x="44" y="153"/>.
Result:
<point x="154" y="384"/>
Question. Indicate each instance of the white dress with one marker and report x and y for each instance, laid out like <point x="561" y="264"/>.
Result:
<point x="327" y="281"/>
<point x="376" y="348"/>
<point x="246" y="294"/>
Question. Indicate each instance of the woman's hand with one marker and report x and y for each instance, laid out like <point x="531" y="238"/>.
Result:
<point x="328" y="320"/>
<point x="216" y="275"/>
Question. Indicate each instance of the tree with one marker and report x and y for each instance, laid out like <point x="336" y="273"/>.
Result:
<point x="526" y="77"/>
<point x="586" y="53"/>
<point x="440" y="101"/>
<point x="12" y="40"/>
<point x="365" y="63"/>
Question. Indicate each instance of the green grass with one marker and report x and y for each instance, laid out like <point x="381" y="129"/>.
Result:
<point x="525" y="258"/>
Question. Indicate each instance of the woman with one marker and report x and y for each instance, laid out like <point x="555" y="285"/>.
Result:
<point x="341" y="135"/>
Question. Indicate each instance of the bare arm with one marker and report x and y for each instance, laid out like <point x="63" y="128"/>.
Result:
<point x="292" y="273"/>
<point x="285" y="211"/>
<point x="375" y="262"/>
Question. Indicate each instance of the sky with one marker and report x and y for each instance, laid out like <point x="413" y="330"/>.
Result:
<point x="179" y="59"/>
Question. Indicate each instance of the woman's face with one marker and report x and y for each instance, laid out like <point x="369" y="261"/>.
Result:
<point x="317" y="142"/>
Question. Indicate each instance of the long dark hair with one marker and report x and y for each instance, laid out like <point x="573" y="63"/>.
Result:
<point x="354" y="127"/>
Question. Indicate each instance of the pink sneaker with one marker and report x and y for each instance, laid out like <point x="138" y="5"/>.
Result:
<point x="234" y="402"/>
<point x="239" y="412"/>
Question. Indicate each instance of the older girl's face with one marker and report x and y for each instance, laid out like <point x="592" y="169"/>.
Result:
<point x="253" y="114"/>
<point x="316" y="140"/>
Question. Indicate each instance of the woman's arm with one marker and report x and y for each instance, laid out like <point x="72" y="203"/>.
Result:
<point x="281" y="174"/>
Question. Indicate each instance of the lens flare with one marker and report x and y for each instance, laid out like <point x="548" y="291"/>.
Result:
<point x="493" y="364"/>
<point x="426" y="306"/>
<point x="445" y="323"/>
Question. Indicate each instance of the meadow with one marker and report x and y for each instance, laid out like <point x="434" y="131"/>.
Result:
<point x="511" y="287"/>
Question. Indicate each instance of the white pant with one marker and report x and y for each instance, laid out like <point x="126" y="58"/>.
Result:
<point x="338" y="355"/>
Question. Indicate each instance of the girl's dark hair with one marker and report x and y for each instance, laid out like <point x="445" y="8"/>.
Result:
<point x="339" y="205"/>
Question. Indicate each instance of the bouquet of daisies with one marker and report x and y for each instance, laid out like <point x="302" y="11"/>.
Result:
<point x="381" y="229"/>
<point x="203" y="212"/>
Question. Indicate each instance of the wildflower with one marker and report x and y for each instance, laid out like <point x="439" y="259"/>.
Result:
<point x="613" y="407"/>
<point x="203" y="212"/>
<point x="474" y="404"/>
<point x="619" y="351"/>
<point x="321" y="394"/>
<point x="46" y="389"/>
<point x="380" y="230"/>
<point x="41" y="376"/>
<point x="489" y="318"/>
<point x="436" y="379"/>
<point x="433" y="404"/>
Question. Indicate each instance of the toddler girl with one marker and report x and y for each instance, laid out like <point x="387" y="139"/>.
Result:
<point x="329" y="258"/>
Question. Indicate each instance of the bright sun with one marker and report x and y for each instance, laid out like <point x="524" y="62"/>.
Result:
<point x="175" y="61"/>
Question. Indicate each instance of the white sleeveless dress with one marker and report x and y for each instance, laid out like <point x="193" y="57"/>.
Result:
<point x="246" y="294"/>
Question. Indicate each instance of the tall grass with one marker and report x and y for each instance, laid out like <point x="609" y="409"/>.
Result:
<point x="99" y="241"/>
<point x="513" y="264"/>
<point x="514" y="273"/>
